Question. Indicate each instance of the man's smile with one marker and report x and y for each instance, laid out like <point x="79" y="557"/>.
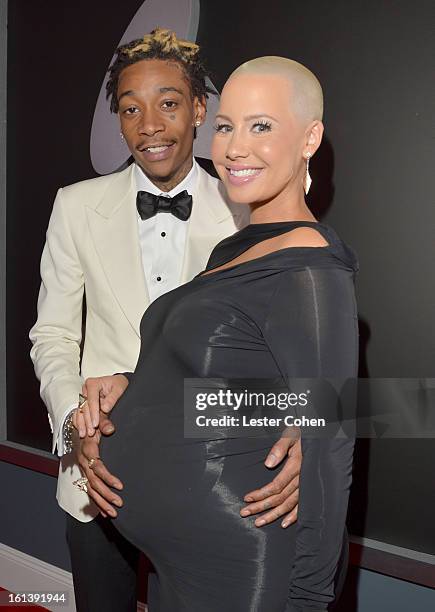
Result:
<point x="156" y="151"/>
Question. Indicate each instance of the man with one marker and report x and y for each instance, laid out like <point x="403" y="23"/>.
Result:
<point x="124" y="249"/>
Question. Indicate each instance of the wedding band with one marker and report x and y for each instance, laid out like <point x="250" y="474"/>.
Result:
<point x="92" y="461"/>
<point x="81" y="484"/>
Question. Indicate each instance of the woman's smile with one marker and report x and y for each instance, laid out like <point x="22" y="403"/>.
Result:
<point x="241" y="175"/>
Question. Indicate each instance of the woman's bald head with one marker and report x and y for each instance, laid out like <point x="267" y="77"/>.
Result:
<point x="306" y="91"/>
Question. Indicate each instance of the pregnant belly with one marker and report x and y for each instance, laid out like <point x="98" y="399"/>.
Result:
<point x="175" y="485"/>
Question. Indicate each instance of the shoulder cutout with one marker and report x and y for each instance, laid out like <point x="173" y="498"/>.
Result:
<point x="303" y="236"/>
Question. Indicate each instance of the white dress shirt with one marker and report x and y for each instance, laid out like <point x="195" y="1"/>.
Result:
<point x="162" y="241"/>
<point x="163" y="237"/>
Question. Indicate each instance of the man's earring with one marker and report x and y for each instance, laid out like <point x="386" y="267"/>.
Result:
<point x="307" y="177"/>
<point x="197" y="123"/>
<point x="122" y="135"/>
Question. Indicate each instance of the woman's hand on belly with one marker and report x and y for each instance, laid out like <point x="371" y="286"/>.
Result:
<point x="280" y="496"/>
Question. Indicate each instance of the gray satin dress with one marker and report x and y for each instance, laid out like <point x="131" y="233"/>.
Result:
<point x="287" y="314"/>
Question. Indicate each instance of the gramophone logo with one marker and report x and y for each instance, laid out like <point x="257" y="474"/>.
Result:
<point x="108" y="151"/>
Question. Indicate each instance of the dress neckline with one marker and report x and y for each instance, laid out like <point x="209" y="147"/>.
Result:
<point x="267" y="227"/>
<point x="233" y="246"/>
<point x="218" y="269"/>
<point x="282" y="222"/>
<point x="272" y="224"/>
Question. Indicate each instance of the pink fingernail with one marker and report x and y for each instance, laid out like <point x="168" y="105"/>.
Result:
<point x="270" y="461"/>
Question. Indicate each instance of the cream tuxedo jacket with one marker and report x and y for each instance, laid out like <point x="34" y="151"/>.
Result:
<point x="92" y="248"/>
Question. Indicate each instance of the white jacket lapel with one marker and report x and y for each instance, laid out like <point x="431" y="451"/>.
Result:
<point x="113" y="225"/>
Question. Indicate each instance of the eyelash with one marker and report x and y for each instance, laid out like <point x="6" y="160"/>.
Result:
<point x="170" y="108"/>
<point x="264" y="124"/>
<point x="174" y="104"/>
<point x="219" y="127"/>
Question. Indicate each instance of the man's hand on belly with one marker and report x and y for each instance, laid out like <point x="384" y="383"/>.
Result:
<point x="99" y="477"/>
<point x="101" y="394"/>
<point x="280" y="497"/>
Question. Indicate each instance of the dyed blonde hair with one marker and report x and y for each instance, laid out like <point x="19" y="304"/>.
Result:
<point x="167" y="42"/>
<point x="307" y="94"/>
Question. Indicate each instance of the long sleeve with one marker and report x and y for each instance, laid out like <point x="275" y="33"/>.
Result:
<point x="311" y="330"/>
<point x="57" y="333"/>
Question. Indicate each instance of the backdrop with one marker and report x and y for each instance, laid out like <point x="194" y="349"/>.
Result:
<point x="373" y="181"/>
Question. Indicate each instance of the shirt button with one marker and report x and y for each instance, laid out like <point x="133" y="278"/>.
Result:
<point x="159" y="278"/>
<point x="163" y="234"/>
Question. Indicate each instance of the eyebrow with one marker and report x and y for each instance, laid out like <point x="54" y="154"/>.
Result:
<point x="162" y="90"/>
<point x="166" y="89"/>
<point x="125" y="93"/>
<point x="248" y="117"/>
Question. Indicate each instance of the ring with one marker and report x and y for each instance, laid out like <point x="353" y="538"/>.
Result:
<point x="92" y="461"/>
<point x="81" y="484"/>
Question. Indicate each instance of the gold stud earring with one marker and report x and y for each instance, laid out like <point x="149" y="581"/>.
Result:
<point x="307" y="177"/>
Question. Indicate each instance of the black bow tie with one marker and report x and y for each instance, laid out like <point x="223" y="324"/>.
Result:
<point x="148" y="205"/>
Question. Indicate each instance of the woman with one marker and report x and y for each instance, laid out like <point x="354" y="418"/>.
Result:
<point x="276" y="300"/>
